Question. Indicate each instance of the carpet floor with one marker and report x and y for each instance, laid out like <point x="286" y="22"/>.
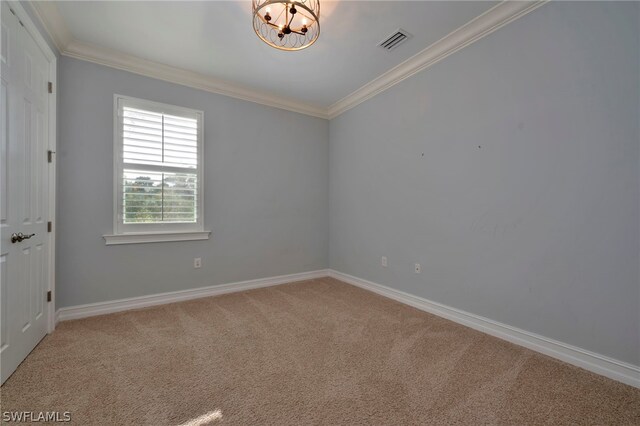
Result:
<point x="312" y="352"/>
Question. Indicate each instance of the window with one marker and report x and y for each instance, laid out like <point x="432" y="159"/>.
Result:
<point x="158" y="173"/>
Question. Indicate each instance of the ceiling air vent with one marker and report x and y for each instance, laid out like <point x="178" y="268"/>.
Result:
<point x="395" y="39"/>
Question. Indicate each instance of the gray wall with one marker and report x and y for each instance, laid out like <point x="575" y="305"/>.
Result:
<point x="266" y="192"/>
<point x="525" y="206"/>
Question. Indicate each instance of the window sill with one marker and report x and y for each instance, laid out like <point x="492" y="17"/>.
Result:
<point x="155" y="237"/>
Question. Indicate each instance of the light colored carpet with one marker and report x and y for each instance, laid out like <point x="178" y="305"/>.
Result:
<point x="313" y="352"/>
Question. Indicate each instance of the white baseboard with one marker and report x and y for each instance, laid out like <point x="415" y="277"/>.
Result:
<point x="599" y="364"/>
<point x="102" y="308"/>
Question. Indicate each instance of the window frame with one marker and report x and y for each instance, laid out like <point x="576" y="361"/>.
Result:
<point x="153" y="232"/>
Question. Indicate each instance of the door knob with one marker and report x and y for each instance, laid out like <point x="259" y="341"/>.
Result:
<point x="16" y="238"/>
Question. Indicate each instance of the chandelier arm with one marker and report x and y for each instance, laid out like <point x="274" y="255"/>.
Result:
<point x="293" y="31"/>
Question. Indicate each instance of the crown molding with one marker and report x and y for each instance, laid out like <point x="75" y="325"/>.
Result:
<point x="498" y="16"/>
<point x="53" y="23"/>
<point x="115" y="59"/>
<point x="479" y="27"/>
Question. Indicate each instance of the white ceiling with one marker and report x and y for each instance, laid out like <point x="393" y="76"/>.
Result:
<point x="217" y="39"/>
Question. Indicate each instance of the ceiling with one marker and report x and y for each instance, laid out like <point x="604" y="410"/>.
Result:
<point x="216" y="39"/>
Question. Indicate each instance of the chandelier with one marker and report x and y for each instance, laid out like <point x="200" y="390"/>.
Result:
<point x="287" y="25"/>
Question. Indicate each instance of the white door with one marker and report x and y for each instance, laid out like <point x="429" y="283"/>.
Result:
<point x="24" y="193"/>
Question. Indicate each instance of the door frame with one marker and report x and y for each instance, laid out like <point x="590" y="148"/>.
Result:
<point x="32" y="29"/>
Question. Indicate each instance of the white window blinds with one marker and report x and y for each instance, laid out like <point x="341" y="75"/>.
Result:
<point x="159" y="169"/>
<point x="159" y="139"/>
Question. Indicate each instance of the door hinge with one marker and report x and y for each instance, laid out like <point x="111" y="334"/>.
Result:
<point x="49" y="296"/>
<point x="50" y="86"/>
<point x="49" y="156"/>
<point x="49" y="226"/>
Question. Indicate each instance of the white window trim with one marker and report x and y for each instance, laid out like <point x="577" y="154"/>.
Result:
<point x="155" y="237"/>
<point x="149" y="233"/>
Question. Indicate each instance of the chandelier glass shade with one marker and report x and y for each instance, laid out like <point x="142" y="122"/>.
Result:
<point x="287" y="25"/>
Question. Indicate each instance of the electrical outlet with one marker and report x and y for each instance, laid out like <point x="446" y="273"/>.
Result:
<point x="418" y="268"/>
<point x="197" y="262"/>
<point x="383" y="261"/>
